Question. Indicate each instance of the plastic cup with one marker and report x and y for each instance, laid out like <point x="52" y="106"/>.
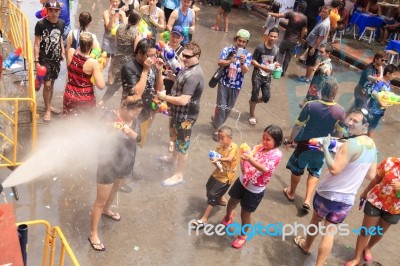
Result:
<point x="276" y="73"/>
<point x="186" y="31"/>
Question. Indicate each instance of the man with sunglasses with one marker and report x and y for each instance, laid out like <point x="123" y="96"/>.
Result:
<point x="49" y="51"/>
<point x="185" y="107"/>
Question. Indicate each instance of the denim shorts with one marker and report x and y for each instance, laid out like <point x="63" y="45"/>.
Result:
<point x="333" y="211"/>
<point x="313" y="160"/>
<point x="373" y="211"/>
<point x="249" y="201"/>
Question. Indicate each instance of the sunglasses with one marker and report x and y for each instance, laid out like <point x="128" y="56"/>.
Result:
<point x="188" y="56"/>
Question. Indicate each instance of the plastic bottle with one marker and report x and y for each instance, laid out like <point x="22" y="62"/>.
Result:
<point x="232" y="70"/>
<point x="215" y="155"/>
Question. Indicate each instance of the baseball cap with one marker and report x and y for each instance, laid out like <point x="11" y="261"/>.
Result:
<point x="243" y="34"/>
<point x="55" y="5"/>
<point x="178" y="30"/>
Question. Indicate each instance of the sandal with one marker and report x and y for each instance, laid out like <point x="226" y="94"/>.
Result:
<point x="298" y="240"/>
<point x="304" y="79"/>
<point x="286" y="192"/>
<point x="165" y="159"/>
<point x="306" y="207"/>
<point x="216" y="28"/>
<point x="171" y="146"/>
<point x="228" y="220"/>
<point x="113" y="216"/>
<point x="54" y="111"/>
<point x="47" y="117"/>
<point x="239" y="242"/>
<point x="253" y="121"/>
<point x="198" y="225"/>
<point x="95" y="245"/>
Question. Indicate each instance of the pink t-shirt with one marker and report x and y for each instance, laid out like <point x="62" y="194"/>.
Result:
<point x="255" y="180"/>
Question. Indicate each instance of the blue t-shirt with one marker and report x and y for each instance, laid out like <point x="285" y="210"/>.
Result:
<point x="374" y="106"/>
<point x="237" y="80"/>
<point x="64" y="14"/>
<point x="320" y="118"/>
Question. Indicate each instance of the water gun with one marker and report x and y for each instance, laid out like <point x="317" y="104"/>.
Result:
<point x="244" y="148"/>
<point x="316" y="144"/>
<point x="297" y="50"/>
<point x="40" y="74"/>
<point x="101" y="59"/>
<point x="159" y="106"/>
<point x="215" y="155"/>
<point x="165" y="35"/>
<point x="95" y="53"/>
<point x="118" y="124"/>
<point x="168" y="54"/>
<point x="41" y="13"/>
<point x="114" y="29"/>
<point x="389" y="98"/>
<point x="362" y="200"/>
<point x="12" y="58"/>
<point x="144" y="29"/>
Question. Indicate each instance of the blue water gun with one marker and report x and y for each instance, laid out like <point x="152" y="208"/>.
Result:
<point x="215" y="155"/>
<point x="316" y="144"/>
<point x="12" y="58"/>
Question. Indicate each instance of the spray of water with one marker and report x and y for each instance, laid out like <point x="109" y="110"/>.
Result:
<point x="68" y="146"/>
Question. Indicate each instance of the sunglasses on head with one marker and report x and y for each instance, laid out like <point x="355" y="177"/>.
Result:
<point x="188" y="56"/>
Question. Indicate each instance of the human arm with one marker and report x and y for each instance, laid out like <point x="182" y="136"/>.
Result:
<point x="249" y="158"/>
<point x="36" y="50"/>
<point x="172" y="18"/>
<point x="135" y="81"/>
<point x="378" y="99"/>
<point x="303" y="34"/>
<point x="129" y="132"/>
<point x="193" y="24"/>
<point x="378" y="178"/>
<point x="161" y="19"/>
<point x="69" y="41"/>
<point x="316" y="44"/>
<point x="159" y="84"/>
<point x="97" y="74"/>
<point x="276" y="15"/>
<point x="70" y="54"/>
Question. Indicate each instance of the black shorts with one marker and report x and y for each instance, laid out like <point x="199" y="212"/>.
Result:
<point x="53" y="68"/>
<point x="249" y="201"/>
<point x="215" y="190"/>
<point x="373" y="211"/>
<point x="311" y="59"/>
<point x="226" y="6"/>
<point x="263" y="84"/>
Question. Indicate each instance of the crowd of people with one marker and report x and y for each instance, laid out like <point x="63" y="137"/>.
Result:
<point x="144" y="75"/>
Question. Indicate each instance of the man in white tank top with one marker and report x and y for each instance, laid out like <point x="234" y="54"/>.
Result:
<point x="354" y="160"/>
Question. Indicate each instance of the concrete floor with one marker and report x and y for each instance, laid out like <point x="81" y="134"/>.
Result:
<point x="154" y="225"/>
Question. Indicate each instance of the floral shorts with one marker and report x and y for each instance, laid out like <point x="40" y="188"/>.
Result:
<point x="181" y="132"/>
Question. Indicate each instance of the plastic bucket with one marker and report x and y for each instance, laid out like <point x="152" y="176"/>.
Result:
<point x="277" y="73"/>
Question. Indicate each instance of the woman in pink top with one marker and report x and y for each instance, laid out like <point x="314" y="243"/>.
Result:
<point x="257" y="168"/>
<point x="382" y="207"/>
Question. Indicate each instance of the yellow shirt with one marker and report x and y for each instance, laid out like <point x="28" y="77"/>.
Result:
<point x="229" y="168"/>
<point x="334" y="17"/>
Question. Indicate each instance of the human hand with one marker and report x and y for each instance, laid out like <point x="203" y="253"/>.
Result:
<point x="326" y="142"/>
<point x="162" y="95"/>
<point x="246" y="156"/>
<point x="147" y="63"/>
<point x="159" y="63"/>
<point x="395" y="185"/>
<point x="277" y="64"/>
<point x="242" y="59"/>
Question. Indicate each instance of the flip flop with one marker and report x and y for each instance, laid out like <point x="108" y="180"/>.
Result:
<point x="286" y="191"/>
<point x="103" y="247"/>
<point x="199" y="224"/>
<point x="297" y="240"/>
<point x="253" y="121"/>
<point x="54" y="111"/>
<point x="113" y="216"/>
<point x="239" y="242"/>
<point x="47" y="118"/>
<point x="306" y="207"/>
<point x="215" y="28"/>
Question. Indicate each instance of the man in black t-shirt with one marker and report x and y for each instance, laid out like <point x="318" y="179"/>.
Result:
<point x="49" y="51"/>
<point x="296" y="30"/>
<point x="264" y="61"/>
<point x="142" y="76"/>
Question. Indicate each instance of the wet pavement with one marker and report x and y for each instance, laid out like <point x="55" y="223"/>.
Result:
<point x="154" y="225"/>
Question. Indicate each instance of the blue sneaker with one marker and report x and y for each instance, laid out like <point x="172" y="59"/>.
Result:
<point x="304" y="79"/>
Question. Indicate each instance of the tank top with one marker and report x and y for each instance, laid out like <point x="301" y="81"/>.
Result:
<point x="343" y="187"/>
<point x="79" y="88"/>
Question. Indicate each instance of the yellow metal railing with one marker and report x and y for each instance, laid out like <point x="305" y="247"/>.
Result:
<point x="50" y="244"/>
<point x="14" y="26"/>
